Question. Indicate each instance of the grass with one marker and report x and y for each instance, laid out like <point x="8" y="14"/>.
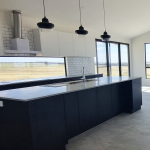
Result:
<point x="22" y="71"/>
<point x="115" y="71"/>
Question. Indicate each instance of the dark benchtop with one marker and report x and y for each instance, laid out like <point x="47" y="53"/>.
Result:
<point x="41" y="81"/>
<point x="37" y="92"/>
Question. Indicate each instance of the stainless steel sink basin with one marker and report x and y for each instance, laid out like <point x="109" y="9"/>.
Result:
<point x="54" y="85"/>
<point x="67" y="83"/>
<point x="92" y="79"/>
<point x="80" y="81"/>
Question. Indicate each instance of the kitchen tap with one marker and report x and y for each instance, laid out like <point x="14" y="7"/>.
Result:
<point x="83" y="78"/>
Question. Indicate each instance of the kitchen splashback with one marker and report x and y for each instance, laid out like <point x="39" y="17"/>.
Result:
<point x="7" y="34"/>
<point x="75" y="65"/>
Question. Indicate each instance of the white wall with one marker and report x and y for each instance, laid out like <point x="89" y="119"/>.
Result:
<point x="138" y="56"/>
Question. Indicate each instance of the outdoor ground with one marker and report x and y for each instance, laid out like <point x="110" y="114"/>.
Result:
<point x="20" y="71"/>
<point x="115" y="71"/>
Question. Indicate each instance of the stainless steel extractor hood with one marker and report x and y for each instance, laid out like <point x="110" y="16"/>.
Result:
<point x="17" y="44"/>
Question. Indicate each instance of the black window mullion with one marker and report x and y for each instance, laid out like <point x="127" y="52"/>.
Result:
<point x="129" y="61"/>
<point x="65" y="66"/>
<point x="107" y="58"/>
<point x="119" y="58"/>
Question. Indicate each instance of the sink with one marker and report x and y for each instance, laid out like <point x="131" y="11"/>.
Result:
<point x="54" y="85"/>
<point x="92" y="79"/>
<point x="79" y="81"/>
<point x="67" y="83"/>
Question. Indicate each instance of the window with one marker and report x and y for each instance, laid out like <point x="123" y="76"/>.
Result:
<point x="101" y="58"/>
<point x="147" y="61"/>
<point x="113" y="59"/>
<point x="21" y="68"/>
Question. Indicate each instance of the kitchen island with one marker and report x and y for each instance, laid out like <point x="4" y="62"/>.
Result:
<point x="45" y="117"/>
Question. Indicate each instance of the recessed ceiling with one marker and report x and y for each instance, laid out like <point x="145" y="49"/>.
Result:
<point x="127" y="18"/>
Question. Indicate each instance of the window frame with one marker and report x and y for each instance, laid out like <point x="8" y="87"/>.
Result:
<point x="65" y="66"/>
<point x="145" y="63"/>
<point x="108" y="56"/>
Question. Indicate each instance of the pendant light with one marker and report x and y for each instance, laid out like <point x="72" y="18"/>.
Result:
<point x="105" y="36"/>
<point x="45" y="24"/>
<point x="81" y="31"/>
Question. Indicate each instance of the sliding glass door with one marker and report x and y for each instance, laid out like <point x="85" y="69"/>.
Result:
<point x="124" y="60"/>
<point x="113" y="58"/>
<point x="101" y="58"/>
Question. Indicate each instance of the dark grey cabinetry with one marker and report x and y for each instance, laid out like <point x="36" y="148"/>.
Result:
<point x="117" y="102"/>
<point x="87" y="109"/>
<point x="15" y="132"/>
<point x="131" y="95"/>
<point x="72" y="114"/>
<point x="48" y="123"/>
<point x="104" y="103"/>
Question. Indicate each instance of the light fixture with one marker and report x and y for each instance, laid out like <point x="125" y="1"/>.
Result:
<point x="45" y="24"/>
<point x="105" y="36"/>
<point x="81" y="31"/>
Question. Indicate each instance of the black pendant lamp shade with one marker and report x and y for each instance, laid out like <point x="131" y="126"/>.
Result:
<point x="45" y="24"/>
<point x="81" y="30"/>
<point x="105" y="36"/>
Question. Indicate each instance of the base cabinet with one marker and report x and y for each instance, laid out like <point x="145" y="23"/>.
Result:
<point x="117" y="102"/>
<point x="48" y="123"/>
<point x="72" y="114"/>
<point x="104" y="103"/>
<point x="87" y="109"/>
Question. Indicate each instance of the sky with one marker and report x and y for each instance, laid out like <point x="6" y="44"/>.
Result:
<point x="31" y="59"/>
<point x="101" y="48"/>
<point x="148" y="53"/>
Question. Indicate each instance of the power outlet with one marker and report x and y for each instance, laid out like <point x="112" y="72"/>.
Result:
<point x="1" y="104"/>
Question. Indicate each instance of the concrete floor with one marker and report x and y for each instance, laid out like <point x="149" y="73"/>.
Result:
<point x="124" y="132"/>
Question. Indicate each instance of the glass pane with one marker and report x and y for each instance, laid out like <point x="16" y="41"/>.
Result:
<point x="114" y="61"/>
<point x="147" y="55"/>
<point x="95" y="63"/>
<point x="124" y="60"/>
<point x="101" y="58"/>
<point x="148" y="72"/>
<point x="103" y="70"/>
<point x="21" y="68"/>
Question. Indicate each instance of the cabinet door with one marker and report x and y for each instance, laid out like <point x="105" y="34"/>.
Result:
<point x="49" y="44"/>
<point x="72" y="114"/>
<point x="117" y="102"/>
<point x="90" y="47"/>
<point x="88" y="109"/>
<point x="104" y="103"/>
<point x="47" y="117"/>
<point x="79" y="45"/>
<point x="65" y="44"/>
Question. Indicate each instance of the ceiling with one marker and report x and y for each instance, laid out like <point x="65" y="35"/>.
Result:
<point x="127" y="18"/>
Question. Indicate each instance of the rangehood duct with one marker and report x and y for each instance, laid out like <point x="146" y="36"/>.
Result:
<point x="17" y="19"/>
<point x="19" y="45"/>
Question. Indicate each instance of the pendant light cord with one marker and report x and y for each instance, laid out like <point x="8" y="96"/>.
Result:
<point x="44" y="8"/>
<point x="80" y="13"/>
<point x="104" y="14"/>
